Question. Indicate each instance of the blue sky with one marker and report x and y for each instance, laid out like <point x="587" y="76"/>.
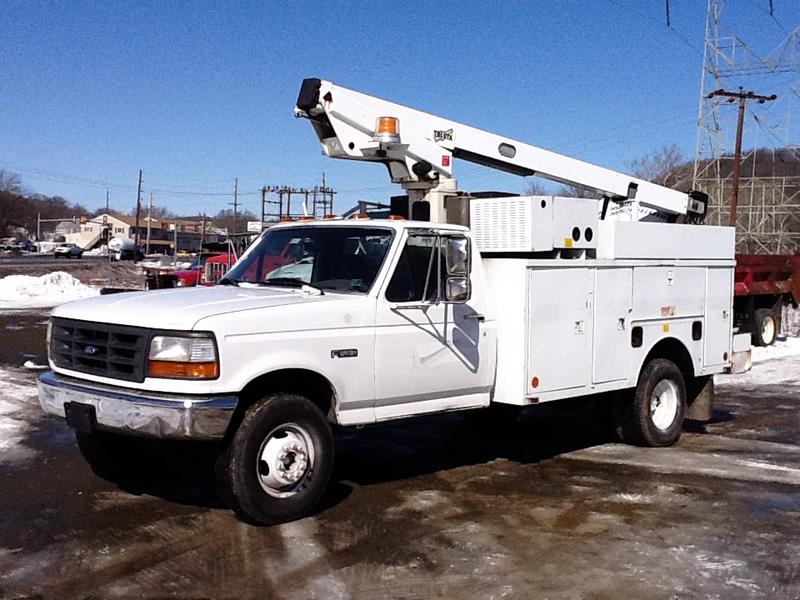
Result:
<point x="199" y="93"/>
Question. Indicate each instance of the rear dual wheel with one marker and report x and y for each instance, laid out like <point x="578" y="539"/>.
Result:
<point x="653" y="415"/>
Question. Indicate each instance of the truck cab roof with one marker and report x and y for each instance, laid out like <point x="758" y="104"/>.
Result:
<point x="396" y="224"/>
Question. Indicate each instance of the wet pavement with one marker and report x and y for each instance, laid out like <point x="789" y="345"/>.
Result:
<point x="433" y="507"/>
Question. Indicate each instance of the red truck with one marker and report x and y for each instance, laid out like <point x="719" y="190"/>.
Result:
<point x="763" y="285"/>
<point x="208" y="269"/>
<point x="208" y="272"/>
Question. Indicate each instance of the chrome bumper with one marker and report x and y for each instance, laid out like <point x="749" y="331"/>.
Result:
<point x="167" y="416"/>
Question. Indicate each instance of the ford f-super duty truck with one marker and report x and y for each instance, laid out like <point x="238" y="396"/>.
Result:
<point x="532" y="300"/>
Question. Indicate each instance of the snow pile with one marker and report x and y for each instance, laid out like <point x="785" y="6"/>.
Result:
<point x="24" y="291"/>
<point x="788" y="347"/>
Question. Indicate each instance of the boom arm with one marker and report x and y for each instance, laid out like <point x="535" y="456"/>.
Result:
<point x="419" y="152"/>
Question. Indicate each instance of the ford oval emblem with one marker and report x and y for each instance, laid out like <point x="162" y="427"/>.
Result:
<point x="89" y="350"/>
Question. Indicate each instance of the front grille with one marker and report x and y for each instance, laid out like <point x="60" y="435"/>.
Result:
<point x="115" y="351"/>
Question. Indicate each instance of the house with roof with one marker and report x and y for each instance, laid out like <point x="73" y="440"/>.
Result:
<point x="156" y="236"/>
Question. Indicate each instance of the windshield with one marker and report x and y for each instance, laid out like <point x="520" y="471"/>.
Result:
<point x="342" y="259"/>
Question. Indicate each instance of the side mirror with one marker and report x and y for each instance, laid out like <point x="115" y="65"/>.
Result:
<point x="457" y="254"/>
<point x="457" y="289"/>
<point x="457" y="285"/>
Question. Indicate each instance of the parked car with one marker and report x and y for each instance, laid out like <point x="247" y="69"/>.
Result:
<point x="68" y="251"/>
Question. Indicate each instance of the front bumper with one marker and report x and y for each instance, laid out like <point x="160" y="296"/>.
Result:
<point x="133" y="412"/>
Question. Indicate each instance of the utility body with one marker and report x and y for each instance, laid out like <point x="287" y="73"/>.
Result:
<point x="348" y="322"/>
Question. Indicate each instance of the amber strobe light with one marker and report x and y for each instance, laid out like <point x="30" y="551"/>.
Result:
<point x="387" y="129"/>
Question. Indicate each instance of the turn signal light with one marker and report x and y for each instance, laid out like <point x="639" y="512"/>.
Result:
<point x="387" y="129"/>
<point x="182" y="370"/>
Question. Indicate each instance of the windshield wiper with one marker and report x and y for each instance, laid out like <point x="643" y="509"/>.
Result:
<point x="291" y="282"/>
<point x="287" y="281"/>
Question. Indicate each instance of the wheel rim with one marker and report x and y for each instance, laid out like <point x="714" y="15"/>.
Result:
<point x="664" y="404"/>
<point x="285" y="460"/>
<point x="767" y="330"/>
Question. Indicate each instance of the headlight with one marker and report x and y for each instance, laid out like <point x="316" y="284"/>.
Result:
<point x="179" y="357"/>
<point x="179" y="283"/>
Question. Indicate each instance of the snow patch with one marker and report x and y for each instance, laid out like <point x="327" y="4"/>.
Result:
<point x="25" y="291"/>
<point x="19" y="407"/>
<point x="788" y="347"/>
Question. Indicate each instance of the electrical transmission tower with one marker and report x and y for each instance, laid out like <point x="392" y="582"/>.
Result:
<point x="768" y="213"/>
<point x="276" y="202"/>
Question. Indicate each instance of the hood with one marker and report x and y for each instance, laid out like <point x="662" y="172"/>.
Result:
<point x="181" y="308"/>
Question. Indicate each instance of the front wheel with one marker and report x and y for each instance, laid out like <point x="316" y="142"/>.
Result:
<point x="654" y="415"/>
<point x="278" y="463"/>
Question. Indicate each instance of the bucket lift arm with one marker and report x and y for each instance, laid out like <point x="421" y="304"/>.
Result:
<point x="418" y="149"/>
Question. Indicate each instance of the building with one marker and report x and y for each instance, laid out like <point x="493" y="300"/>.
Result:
<point x="161" y="238"/>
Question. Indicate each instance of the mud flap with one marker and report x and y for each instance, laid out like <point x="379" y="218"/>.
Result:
<point x="700" y="398"/>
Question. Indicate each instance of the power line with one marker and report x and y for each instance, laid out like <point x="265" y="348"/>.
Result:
<point x="647" y="17"/>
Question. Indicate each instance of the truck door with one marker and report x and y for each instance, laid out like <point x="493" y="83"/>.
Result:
<point x="431" y="343"/>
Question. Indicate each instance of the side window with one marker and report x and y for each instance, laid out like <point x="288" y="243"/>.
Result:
<point x="417" y="274"/>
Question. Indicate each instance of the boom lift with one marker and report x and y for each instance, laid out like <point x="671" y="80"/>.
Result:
<point x="418" y="149"/>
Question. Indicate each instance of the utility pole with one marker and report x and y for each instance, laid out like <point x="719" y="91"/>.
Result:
<point x="743" y="97"/>
<point x="149" y="217"/>
<point x="138" y="210"/>
<point x="263" y="205"/>
<point x="235" y="205"/>
<point x="202" y="238"/>
<point x="106" y="200"/>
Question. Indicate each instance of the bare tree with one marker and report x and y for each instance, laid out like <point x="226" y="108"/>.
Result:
<point x="574" y="191"/>
<point x="10" y="182"/>
<point x="666" y="167"/>
<point x="534" y="188"/>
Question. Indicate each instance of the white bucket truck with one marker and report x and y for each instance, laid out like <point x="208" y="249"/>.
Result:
<point x="350" y="322"/>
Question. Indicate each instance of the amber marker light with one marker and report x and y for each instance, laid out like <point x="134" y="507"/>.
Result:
<point x="176" y="370"/>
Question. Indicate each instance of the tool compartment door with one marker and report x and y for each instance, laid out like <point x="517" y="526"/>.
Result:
<point x="559" y="328"/>
<point x="718" y="315"/>
<point x="612" y="306"/>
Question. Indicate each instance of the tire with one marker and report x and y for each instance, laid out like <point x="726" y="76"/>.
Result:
<point x="278" y="463"/>
<point x="653" y="415"/>
<point x="110" y="456"/>
<point x="765" y="327"/>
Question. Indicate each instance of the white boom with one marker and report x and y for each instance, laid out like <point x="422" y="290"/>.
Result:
<point x="418" y="148"/>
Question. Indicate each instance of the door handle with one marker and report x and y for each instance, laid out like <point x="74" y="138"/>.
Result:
<point x="475" y="317"/>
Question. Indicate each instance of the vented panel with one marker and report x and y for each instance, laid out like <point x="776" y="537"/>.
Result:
<point x="502" y="224"/>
